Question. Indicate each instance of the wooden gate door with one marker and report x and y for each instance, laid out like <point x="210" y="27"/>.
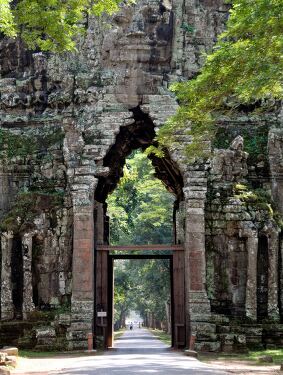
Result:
<point x="101" y="318"/>
<point x="178" y="297"/>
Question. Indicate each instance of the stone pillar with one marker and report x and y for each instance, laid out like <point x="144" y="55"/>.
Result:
<point x="273" y="249"/>
<point x="180" y="215"/>
<point x="275" y="155"/>
<point x="28" y="304"/>
<point x="82" y="182"/>
<point x="83" y="276"/>
<point x="251" y="286"/>
<point x="7" y="307"/>
<point x="198" y="304"/>
<point x="99" y="223"/>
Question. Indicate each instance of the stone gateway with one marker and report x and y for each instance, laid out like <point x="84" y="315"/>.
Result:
<point x="69" y="121"/>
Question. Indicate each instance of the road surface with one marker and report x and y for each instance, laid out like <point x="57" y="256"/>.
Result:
<point x="136" y="352"/>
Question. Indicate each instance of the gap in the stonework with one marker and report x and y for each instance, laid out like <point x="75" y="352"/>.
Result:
<point x="141" y="213"/>
<point x="140" y="208"/>
<point x="17" y="278"/>
<point x="142" y="300"/>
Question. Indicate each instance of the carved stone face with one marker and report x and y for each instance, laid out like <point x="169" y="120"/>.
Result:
<point x="138" y="47"/>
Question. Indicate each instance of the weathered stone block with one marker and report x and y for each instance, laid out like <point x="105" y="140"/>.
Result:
<point x="208" y="346"/>
<point x="45" y="336"/>
<point x="64" y="319"/>
<point x="9" y="350"/>
<point x="3" y="357"/>
<point x="4" y="371"/>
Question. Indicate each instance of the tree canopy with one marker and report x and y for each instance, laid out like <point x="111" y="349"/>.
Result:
<point x="142" y="285"/>
<point x="141" y="212"/>
<point x="244" y="67"/>
<point x="50" y="25"/>
<point x="140" y="208"/>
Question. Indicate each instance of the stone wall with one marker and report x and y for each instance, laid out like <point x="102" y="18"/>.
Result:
<point x="67" y="124"/>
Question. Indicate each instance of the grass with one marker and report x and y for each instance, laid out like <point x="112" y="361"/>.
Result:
<point x="119" y="333"/>
<point x="252" y="356"/>
<point x="162" y="336"/>
<point x="34" y="354"/>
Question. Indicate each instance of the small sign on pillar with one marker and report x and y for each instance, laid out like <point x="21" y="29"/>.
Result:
<point x="101" y="315"/>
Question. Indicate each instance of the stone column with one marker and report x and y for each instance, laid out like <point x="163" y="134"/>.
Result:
<point x="28" y="304"/>
<point x="275" y="155"/>
<point x="273" y="249"/>
<point x="180" y="223"/>
<point x="99" y="228"/>
<point x="7" y="307"/>
<point x="197" y="300"/>
<point x="251" y="286"/>
<point x="82" y="271"/>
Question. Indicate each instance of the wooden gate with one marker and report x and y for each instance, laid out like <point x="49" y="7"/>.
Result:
<point x="103" y="309"/>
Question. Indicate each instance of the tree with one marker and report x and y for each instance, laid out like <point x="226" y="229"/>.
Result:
<point x="140" y="211"/>
<point x="245" y="67"/>
<point x="154" y="294"/>
<point x="140" y="208"/>
<point x="123" y="294"/>
<point x="50" y="25"/>
<point x="142" y="286"/>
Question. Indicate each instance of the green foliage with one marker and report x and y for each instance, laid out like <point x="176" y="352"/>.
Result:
<point x="35" y="354"/>
<point x="255" y="140"/>
<point x="51" y="25"/>
<point x="252" y="355"/>
<point x="27" y="206"/>
<point x="12" y="145"/>
<point x="23" y="145"/>
<point x="123" y="293"/>
<point x="142" y="286"/>
<point x="163" y="336"/>
<point x="259" y="199"/>
<point x="7" y="25"/>
<point x="140" y="212"/>
<point x="187" y="27"/>
<point x="153" y="150"/>
<point x="140" y="208"/>
<point x="245" y="67"/>
<point x="153" y="289"/>
<point x="252" y="195"/>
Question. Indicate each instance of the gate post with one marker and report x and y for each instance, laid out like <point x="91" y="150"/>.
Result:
<point x="82" y="272"/>
<point x="179" y="328"/>
<point x="197" y="303"/>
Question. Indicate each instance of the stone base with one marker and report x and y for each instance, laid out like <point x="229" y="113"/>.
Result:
<point x="191" y="353"/>
<point x="4" y="371"/>
<point x="208" y="346"/>
<point x="199" y="305"/>
<point x="81" y="325"/>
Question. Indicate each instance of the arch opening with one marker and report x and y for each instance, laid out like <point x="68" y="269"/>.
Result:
<point x="137" y="136"/>
<point x="17" y="276"/>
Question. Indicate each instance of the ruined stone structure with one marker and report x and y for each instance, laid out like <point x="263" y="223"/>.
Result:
<point x="67" y="124"/>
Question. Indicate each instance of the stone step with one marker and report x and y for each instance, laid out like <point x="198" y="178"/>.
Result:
<point x="207" y="337"/>
<point x="207" y="346"/>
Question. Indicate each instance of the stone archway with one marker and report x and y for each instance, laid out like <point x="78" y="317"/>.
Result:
<point x="136" y="130"/>
<point x="138" y="135"/>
